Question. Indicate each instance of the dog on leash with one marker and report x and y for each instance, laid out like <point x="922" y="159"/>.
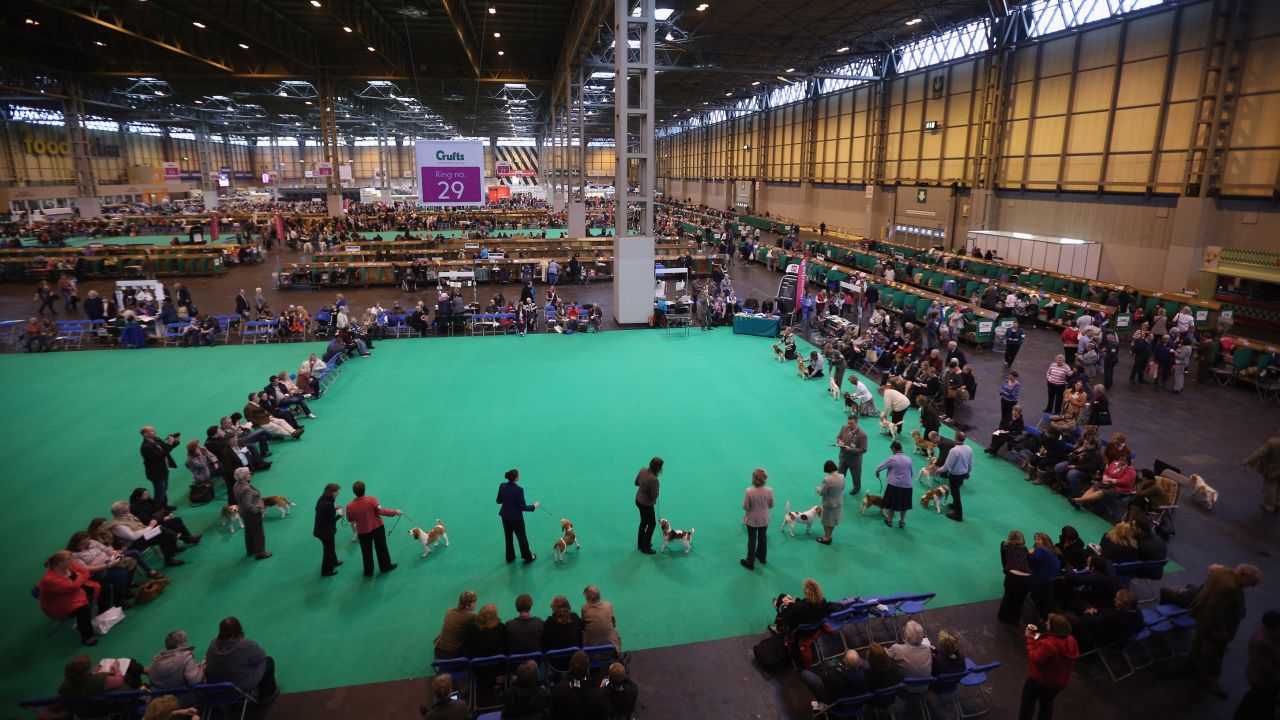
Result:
<point x="561" y="547"/>
<point x="1203" y="492"/>
<point x="231" y="517"/>
<point x="934" y="498"/>
<point x="923" y="446"/>
<point x="833" y="389"/>
<point x="675" y="536"/>
<point x="928" y="475"/>
<point x="278" y="502"/>
<point x="806" y="518"/>
<point x="430" y="538"/>
<point x="871" y="501"/>
<point x="888" y="428"/>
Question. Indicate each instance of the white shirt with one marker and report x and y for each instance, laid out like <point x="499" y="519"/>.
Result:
<point x="888" y="274"/>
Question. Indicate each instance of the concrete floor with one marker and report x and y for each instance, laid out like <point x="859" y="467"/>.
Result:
<point x="1206" y="429"/>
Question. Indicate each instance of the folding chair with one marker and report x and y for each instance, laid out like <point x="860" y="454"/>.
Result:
<point x="557" y="663"/>
<point x="976" y="679"/>
<point x="9" y="332"/>
<point x="459" y="670"/>
<point x="1223" y="375"/>
<point x="483" y="670"/>
<point x="173" y="333"/>
<point x="601" y="657"/>
<point x="845" y="708"/>
<point x="1159" y="626"/>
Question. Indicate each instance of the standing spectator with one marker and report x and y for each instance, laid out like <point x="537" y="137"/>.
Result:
<point x="757" y="501"/>
<point x="852" y="441"/>
<point x="1056" y="382"/>
<point x="326" y="527"/>
<point x="646" y="500"/>
<point x="1070" y="343"/>
<point x="1050" y="657"/>
<point x="156" y="461"/>
<point x="232" y="657"/>
<point x="831" y="490"/>
<point x="599" y="624"/>
<point x="511" y="498"/>
<point x="67" y="288"/>
<point x="1266" y="462"/>
<point x="1017" y="577"/>
<point x="1263" y="671"/>
<point x="1218" y="609"/>
<point x="897" y="494"/>
<point x="1010" y="389"/>
<point x="46" y="296"/>
<point x="94" y="308"/>
<point x="1013" y="337"/>
<point x="1140" y="347"/>
<point x="366" y="514"/>
<point x="251" y="510"/>
<point x="956" y="469"/>
<point x="242" y="305"/>
<point x="1110" y="356"/>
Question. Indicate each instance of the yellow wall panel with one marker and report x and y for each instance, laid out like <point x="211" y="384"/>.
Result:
<point x="1024" y="64"/>
<point x="1186" y="76"/>
<point x="1020" y="99"/>
<point x="1093" y="89"/>
<point x="1098" y="47"/>
<point x="1056" y="58"/>
<point x="1141" y="83"/>
<point x="952" y="170"/>
<point x="1015" y="137"/>
<point x="1043" y="169"/>
<point x="1047" y="136"/>
<point x="1134" y="129"/>
<point x="1052" y="96"/>
<point x="1260" y="67"/>
<point x="1087" y="132"/>
<point x="1126" y="172"/>
<point x="1177" y="128"/>
<point x="913" y="116"/>
<point x="1251" y="172"/>
<point x="1081" y="172"/>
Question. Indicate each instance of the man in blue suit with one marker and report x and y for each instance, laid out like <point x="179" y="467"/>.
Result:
<point x="511" y="498"/>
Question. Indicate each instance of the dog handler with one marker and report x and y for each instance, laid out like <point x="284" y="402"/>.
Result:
<point x="326" y="527"/>
<point x="646" y="499"/>
<point x="511" y="498"/>
<point x="366" y="514"/>
<point x="852" y="441"/>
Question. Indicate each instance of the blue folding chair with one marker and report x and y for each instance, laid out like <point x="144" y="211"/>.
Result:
<point x="975" y="678"/>
<point x="846" y="707"/>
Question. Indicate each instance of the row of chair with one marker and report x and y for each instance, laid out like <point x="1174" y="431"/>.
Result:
<point x="551" y="665"/>
<point x="945" y="687"/>
<point x="206" y="697"/>
<point x="1159" y="623"/>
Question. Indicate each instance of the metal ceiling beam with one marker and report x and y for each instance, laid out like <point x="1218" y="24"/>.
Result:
<point x="365" y="20"/>
<point x="461" y="20"/>
<point x="189" y="79"/>
<point x="745" y="71"/>
<point x="258" y="23"/>
<point x="117" y="25"/>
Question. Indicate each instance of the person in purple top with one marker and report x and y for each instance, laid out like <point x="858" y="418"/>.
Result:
<point x="897" y="496"/>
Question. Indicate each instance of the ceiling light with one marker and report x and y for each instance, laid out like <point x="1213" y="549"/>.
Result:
<point x="371" y="49"/>
<point x="243" y="46"/>
<point x="497" y="35"/>
<point x="783" y="79"/>
<point x="199" y="102"/>
<point x="315" y="3"/>
<point x="757" y="82"/>
<point x="284" y="94"/>
<point x="728" y="94"/>
<point x="493" y="10"/>
<point x="502" y="52"/>
<point x="199" y="25"/>
<point x="914" y="21"/>
<point x="842" y="49"/>
<point x="791" y="69"/>
<point x="703" y="7"/>
<point x="663" y="14"/>
<point x="346" y="28"/>
<point x="99" y="43"/>
<point x="308" y="102"/>
<point x="32" y="22"/>
<point x="670" y="37"/>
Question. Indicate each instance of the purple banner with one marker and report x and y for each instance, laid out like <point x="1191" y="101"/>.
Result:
<point x="452" y="186"/>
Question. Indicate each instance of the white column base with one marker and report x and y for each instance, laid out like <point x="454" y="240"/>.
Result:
<point x="89" y="207"/>
<point x="210" y="198"/>
<point x="633" y="280"/>
<point x="577" y="220"/>
<point x="334" y="201"/>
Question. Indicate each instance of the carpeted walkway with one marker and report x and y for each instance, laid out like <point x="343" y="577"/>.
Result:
<point x="431" y="425"/>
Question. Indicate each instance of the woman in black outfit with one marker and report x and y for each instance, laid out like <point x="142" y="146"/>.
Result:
<point x="563" y="627"/>
<point x="1017" y="577"/>
<point x="1072" y="548"/>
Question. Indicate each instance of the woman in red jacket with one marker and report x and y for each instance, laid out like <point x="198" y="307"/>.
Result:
<point x="66" y="590"/>
<point x="1049" y="660"/>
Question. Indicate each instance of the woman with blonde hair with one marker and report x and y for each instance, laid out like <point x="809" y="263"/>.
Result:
<point x="486" y="635"/>
<point x="947" y="657"/>
<point x="1017" y="577"/>
<point x="807" y="610"/>
<point x="1120" y="543"/>
<point x="757" y="501"/>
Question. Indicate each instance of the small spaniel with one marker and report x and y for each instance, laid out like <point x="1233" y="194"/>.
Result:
<point x="675" y="536"/>
<point x="430" y="538"/>
<point x="561" y="547"/>
<point x="934" y="498"/>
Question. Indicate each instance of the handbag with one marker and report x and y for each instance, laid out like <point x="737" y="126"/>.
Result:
<point x="149" y="591"/>
<point x="104" y="621"/>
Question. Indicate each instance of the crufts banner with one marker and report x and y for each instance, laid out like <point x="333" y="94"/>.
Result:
<point x="451" y="172"/>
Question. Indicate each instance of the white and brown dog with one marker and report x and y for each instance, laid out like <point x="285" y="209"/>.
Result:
<point x="807" y="518"/>
<point x="833" y="389"/>
<point x="231" y="517"/>
<point x="934" y="498"/>
<point x="280" y="503"/>
<point x="928" y="475"/>
<point x="430" y="538"/>
<point x="675" y="536"/>
<point x="871" y="501"/>
<point x="561" y="547"/>
<point x="923" y="445"/>
<point x="888" y="428"/>
<point x="1203" y="492"/>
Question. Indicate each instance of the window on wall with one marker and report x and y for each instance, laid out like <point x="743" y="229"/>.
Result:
<point x="961" y="41"/>
<point x="138" y="128"/>
<point x="1045" y="17"/>
<point x="785" y="95"/>
<point x="35" y="116"/>
<point x="866" y="67"/>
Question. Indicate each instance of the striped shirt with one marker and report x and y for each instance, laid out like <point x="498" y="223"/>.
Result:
<point x="1058" y="373"/>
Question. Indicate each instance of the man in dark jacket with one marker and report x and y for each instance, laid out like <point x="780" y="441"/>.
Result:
<point x="620" y="691"/>
<point x="93" y="307"/>
<point x="576" y="697"/>
<point x="1100" y="627"/>
<point x="156" y="461"/>
<point x="326" y="527"/>
<point x="242" y="305"/>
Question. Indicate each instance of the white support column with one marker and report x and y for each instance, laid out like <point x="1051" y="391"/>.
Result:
<point x="575" y="184"/>
<point x="633" y="278"/>
<point x="204" y="157"/>
<point x="81" y="161"/>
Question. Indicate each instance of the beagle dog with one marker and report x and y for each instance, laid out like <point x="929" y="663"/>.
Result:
<point x="934" y="498"/>
<point x="923" y="446"/>
<point x="231" y="517"/>
<point x="675" y="536"/>
<point x="430" y="538"/>
<point x="280" y="503"/>
<point x="561" y="547"/>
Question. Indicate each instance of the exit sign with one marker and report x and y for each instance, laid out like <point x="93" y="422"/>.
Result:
<point x="931" y="125"/>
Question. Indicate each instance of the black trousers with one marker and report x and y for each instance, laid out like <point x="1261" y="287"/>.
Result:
<point x="1016" y="588"/>
<point x="1054" y="404"/>
<point x="514" y="530"/>
<point x="375" y="539"/>
<point x="1011" y="353"/>
<point x="648" y="522"/>
<point x="255" y="538"/>
<point x="955" y="481"/>
<point x="1257" y="704"/>
<point x="84" y="614"/>
<point x="757" y="544"/>
<point x="328" y="555"/>
<point x="1034" y="693"/>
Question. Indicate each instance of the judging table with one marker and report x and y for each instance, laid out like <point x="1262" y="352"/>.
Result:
<point x="762" y="325"/>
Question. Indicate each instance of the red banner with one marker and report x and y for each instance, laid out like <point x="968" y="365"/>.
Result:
<point x="802" y="280"/>
<point x="280" y="236"/>
<point x="213" y="229"/>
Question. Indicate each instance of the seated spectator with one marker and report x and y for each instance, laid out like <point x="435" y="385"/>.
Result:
<point x="445" y="703"/>
<point x="575" y="697"/>
<point x="1120" y="544"/>
<point x="35" y="338"/>
<point x="457" y="622"/>
<point x="176" y="665"/>
<point x="1042" y="456"/>
<point x="1097" y="586"/>
<point x="147" y="509"/>
<point x="524" y="631"/>
<point x="285" y="394"/>
<point x="882" y="672"/>
<point x="563" y="627"/>
<point x="1118" y="479"/>
<point x="66" y="591"/>
<point x="794" y="612"/>
<point x="258" y="416"/>
<point x="105" y="568"/>
<point x="168" y="707"/>
<point x="130" y="531"/>
<point x="81" y="681"/>
<point x="1116" y="448"/>
<point x="232" y="657"/>
<point x="309" y="375"/>
<point x="1100" y="627"/>
<point x="485" y="636"/>
<point x="1151" y="547"/>
<point x="89" y="549"/>
<point x="947" y="658"/>
<point x="620" y="691"/>
<point x="830" y="683"/>
<point x="202" y="462"/>
<point x="1078" y="469"/>
<point x="599" y="626"/>
<point x="526" y="698"/>
<point x="1071" y="548"/>
<point x="1011" y="430"/>
<point x="1153" y="492"/>
<point x="913" y="656"/>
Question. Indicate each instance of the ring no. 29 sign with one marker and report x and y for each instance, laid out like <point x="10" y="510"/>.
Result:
<point x="451" y="172"/>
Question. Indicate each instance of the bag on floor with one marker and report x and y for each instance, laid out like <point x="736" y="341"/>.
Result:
<point x="771" y="653"/>
<point x="103" y="622"/>
<point x="149" y="591"/>
<point x="200" y="493"/>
